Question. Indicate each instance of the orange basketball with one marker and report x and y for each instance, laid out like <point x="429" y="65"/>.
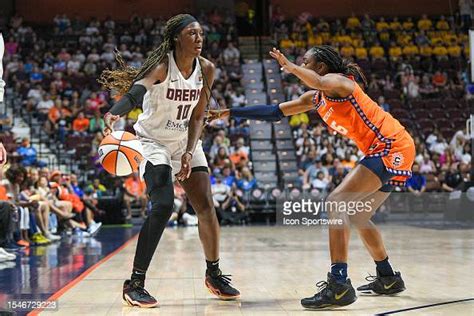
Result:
<point x="120" y="153"/>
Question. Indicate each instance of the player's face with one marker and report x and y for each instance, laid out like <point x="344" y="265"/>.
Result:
<point x="191" y="39"/>
<point x="309" y="62"/>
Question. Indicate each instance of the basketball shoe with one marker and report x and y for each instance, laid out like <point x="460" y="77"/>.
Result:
<point x="219" y="285"/>
<point x="331" y="295"/>
<point x="134" y="294"/>
<point x="383" y="285"/>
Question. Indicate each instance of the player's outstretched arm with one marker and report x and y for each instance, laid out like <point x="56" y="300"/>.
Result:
<point x="334" y="84"/>
<point x="133" y="97"/>
<point x="268" y="112"/>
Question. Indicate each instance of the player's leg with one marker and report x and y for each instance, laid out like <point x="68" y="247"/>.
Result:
<point x="160" y="190"/>
<point x="386" y="280"/>
<point x="198" y="191"/>
<point x="338" y="291"/>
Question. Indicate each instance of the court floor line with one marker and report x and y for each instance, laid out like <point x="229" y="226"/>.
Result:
<point x="84" y="274"/>
<point x="425" y="306"/>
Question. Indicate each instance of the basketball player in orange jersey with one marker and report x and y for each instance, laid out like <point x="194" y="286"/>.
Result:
<point x="389" y="154"/>
<point x="173" y="86"/>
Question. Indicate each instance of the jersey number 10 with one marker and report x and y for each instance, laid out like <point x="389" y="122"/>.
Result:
<point x="183" y="112"/>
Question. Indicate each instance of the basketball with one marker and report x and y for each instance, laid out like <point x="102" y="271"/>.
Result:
<point x="120" y="153"/>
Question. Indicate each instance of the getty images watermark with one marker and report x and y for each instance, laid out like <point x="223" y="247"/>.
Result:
<point x="308" y="212"/>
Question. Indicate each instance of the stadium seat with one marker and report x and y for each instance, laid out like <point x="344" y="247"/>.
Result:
<point x="261" y="145"/>
<point x="420" y="114"/>
<point x="288" y="166"/>
<point x="256" y="99"/>
<point x="263" y="155"/>
<point x="284" y="145"/>
<point x="438" y="113"/>
<point x="264" y="166"/>
<point x="261" y="130"/>
<point x="286" y="155"/>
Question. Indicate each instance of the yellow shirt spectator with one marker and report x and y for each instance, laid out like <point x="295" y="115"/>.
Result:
<point x="133" y="115"/>
<point x="315" y="40"/>
<point x="384" y="36"/>
<point x="424" y="23"/>
<point x="466" y="51"/>
<point x="454" y="51"/>
<point x="426" y="51"/>
<point x="410" y="50"/>
<point x="395" y="51"/>
<point x="442" y="24"/>
<point x="347" y="51"/>
<point x="298" y="119"/>
<point x="377" y="52"/>
<point x="381" y="25"/>
<point x="408" y="25"/>
<point x="450" y="38"/>
<point x="352" y="23"/>
<point x="395" y="25"/>
<point x="343" y="39"/>
<point x="404" y="39"/>
<point x="361" y="53"/>
<point x="440" y="51"/>
<point x="287" y="43"/>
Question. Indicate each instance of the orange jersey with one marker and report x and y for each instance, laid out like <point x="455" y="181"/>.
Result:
<point x="375" y="132"/>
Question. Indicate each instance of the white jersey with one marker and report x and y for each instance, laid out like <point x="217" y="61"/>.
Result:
<point x="168" y="105"/>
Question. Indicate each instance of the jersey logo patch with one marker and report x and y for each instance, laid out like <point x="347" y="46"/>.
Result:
<point x="397" y="159"/>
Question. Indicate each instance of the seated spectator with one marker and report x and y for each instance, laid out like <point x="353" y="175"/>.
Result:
<point x="80" y="125"/>
<point x="135" y="191"/>
<point x="427" y="165"/>
<point x="321" y="183"/>
<point x="353" y="22"/>
<point x="440" y="52"/>
<point x="377" y="51"/>
<point x="361" y="52"/>
<point x="452" y="178"/>
<point x="230" y="53"/>
<point x="442" y="24"/>
<point x="96" y="124"/>
<point x="311" y="174"/>
<point x="395" y="52"/>
<point x="417" y="183"/>
<point x="239" y="153"/>
<point x="408" y="24"/>
<point x="220" y="192"/>
<point x="29" y="154"/>
<point x="424" y="24"/>
<point x="233" y="210"/>
<point x="44" y="106"/>
<point x="246" y="181"/>
<point x="96" y="189"/>
<point x="383" y="104"/>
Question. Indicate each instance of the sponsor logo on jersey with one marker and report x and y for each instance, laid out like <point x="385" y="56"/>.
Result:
<point x="177" y="126"/>
<point x="183" y="94"/>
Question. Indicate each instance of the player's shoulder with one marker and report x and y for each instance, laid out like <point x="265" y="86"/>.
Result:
<point x="207" y="65"/>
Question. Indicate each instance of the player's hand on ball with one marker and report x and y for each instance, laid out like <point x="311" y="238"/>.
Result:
<point x="109" y="120"/>
<point x="3" y="155"/>
<point x="185" y="171"/>
<point x="217" y="114"/>
<point x="285" y="64"/>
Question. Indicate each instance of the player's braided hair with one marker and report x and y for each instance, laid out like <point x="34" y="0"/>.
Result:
<point x="336" y="63"/>
<point x="122" y="79"/>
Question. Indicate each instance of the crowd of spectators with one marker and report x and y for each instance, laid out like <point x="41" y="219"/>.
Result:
<point x="406" y="60"/>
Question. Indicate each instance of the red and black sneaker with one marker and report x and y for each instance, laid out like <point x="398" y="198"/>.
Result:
<point x="219" y="285"/>
<point x="134" y="294"/>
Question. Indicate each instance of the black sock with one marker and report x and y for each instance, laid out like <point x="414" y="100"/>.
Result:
<point x="138" y="275"/>
<point x="339" y="272"/>
<point x="212" y="267"/>
<point x="384" y="268"/>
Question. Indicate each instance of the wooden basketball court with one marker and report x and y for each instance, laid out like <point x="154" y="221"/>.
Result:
<point x="274" y="267"/>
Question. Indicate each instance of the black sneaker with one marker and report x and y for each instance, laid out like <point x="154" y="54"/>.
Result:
<point x="134" y="294"/>
<point x="331" y="295"/>
<point x="383" y="285"/>
<point x="219" y="285"/>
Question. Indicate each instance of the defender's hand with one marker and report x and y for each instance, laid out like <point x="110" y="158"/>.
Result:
<point x="285" y="64"/>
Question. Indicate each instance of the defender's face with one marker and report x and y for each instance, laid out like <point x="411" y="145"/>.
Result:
<point x="309" y="62"/>
<point x="191" y="39"/>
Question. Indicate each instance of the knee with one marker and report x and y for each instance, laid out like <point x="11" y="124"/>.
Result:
<point x="164" y="205"/>
<point x="205" y="209"/>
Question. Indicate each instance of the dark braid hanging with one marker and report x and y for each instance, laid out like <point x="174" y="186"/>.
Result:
<point x="122" y="79"/>
<point x="336" y="63"/>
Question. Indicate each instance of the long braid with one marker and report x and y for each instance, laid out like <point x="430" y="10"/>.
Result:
<point x="122" y="79"/>
<point x="336" y="63"/>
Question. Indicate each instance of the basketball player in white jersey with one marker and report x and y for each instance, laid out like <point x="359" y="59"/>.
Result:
<point x="174" y="87"/>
